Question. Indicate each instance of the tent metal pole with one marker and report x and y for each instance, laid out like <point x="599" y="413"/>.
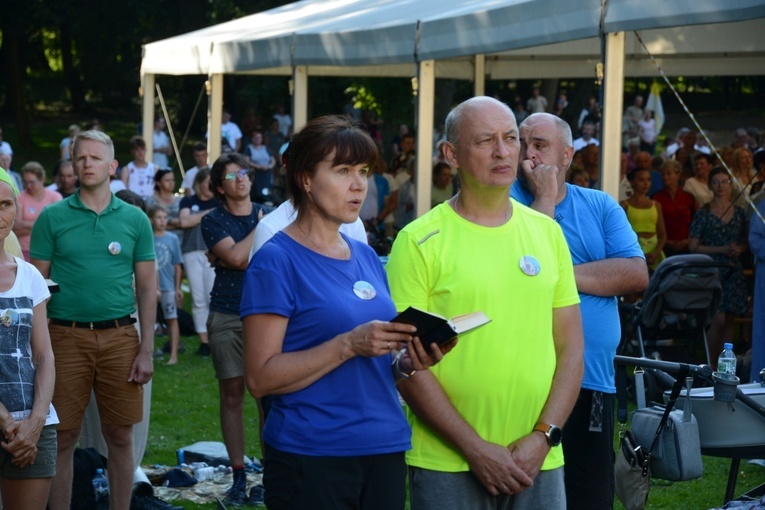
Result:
<point x="214" y="115"/>
<point x="479" y="79"/>
<point x="425" y="111"/>
<point x="613" y="103"/>
<point x="300" y="97"/>
<point x="147" y="87"/>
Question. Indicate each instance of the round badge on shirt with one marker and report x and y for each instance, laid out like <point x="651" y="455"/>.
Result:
<point x="529" y="265"/>
<point x="9" y="318"/>
<point x="115" y="248"/>
<point x="364" y="290"/>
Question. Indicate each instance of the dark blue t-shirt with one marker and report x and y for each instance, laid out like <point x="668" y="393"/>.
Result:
<point x="192" y="237"/>
<point x="354" y="409"/>
<point x="216" y="226"/>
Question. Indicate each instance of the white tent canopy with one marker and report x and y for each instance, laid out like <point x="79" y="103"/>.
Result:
<point x="449" y="39"/>
<point x="354" y="33"/>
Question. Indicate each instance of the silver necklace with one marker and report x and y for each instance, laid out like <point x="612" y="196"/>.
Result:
<point x="346" y="256"/>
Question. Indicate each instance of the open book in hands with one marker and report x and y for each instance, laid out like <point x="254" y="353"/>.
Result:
<point x="434" y="328"/>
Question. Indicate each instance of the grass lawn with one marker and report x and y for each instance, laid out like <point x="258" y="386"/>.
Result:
<point x="185" y="410"/>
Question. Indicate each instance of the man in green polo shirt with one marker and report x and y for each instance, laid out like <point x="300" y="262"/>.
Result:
<point x="93" y="244"/>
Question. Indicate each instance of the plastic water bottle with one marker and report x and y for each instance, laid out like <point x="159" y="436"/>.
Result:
<point x="101" y="490"/>
<point x="204" y="473"/>
<point x="726" y="363"/>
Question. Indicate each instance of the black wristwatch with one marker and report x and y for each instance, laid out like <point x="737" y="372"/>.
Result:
<point x="553" y="433"/>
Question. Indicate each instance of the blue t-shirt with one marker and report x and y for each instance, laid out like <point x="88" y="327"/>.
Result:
<point x="354" y="409"/>
<point x="217" y="225"/>
<point x="168" y="251"/>
<point x="595" y="228"/>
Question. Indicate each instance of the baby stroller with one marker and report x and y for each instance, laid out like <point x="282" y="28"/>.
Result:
<point x="677" y="306"/>
<point x="670" y="322"/>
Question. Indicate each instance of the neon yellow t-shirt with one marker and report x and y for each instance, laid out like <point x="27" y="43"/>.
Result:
<point x="499" y="375"/>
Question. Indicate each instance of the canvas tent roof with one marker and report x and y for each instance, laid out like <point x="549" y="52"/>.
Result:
<point x="352" y="37"/>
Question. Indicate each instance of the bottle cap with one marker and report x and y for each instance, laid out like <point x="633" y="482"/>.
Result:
<point x="728" y="346"/>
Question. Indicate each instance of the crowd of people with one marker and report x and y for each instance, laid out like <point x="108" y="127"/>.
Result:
<point x="684" y="200"/>
<point x="293" y="304"/>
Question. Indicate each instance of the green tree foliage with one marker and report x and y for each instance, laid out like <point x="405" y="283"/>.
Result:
<point x="82" y="54"/>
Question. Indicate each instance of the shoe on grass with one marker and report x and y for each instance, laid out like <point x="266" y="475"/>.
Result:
<point x="257" y="496"/>
<point x="237" y="494"/>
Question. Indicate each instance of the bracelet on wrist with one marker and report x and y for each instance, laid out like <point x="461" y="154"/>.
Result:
<point x="397" y="365"/>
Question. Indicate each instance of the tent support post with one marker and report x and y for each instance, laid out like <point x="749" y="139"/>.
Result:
<point x="425" y="111"/>
<point x="613" y="102"/>
<point x="300" y="97"/>
<point x="214" y="115"/>
<point x="479" y="80"/>
<point x="147" y="85"/>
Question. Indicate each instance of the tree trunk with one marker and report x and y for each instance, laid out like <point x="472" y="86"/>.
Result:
<point x="15" y="82"/>
<point x="71" y="76"/>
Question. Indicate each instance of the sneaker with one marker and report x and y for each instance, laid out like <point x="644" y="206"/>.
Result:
<point x="237" y="495"/>
<point x="204" y="350"/>
<point x="257" y="496"/>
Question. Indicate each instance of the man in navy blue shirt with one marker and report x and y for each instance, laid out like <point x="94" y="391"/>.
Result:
<point x="228" y="232"/>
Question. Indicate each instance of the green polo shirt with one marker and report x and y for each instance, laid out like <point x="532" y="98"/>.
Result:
<point x="92" y="257"/>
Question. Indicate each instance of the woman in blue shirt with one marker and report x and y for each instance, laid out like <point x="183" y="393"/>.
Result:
<point x="315" y="311"/>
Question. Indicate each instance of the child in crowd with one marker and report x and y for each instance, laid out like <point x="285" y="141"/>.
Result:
<point x="169" y="261"/>
<point x="138" y="175"/>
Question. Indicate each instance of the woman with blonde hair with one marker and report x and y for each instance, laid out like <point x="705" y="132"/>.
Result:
<point x="27" y="418"/>
<point x="742" y="168"/>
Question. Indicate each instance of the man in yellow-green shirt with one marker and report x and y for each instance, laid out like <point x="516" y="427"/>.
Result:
<point x="486" y="420"/>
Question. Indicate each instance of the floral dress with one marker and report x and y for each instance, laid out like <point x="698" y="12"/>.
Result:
<point x="712" y="231"/>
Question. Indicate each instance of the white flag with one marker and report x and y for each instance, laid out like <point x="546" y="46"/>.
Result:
<point x="654" y="104"/>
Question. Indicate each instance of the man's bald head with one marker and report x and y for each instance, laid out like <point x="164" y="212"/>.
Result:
<point x="455" y="117"/>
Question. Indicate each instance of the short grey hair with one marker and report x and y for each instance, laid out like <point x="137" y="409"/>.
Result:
<point x="564" y="130"/>
<point x="96" y="136"/>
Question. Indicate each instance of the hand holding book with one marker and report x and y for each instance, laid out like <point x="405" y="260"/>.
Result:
<point x="432" y="328"/>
